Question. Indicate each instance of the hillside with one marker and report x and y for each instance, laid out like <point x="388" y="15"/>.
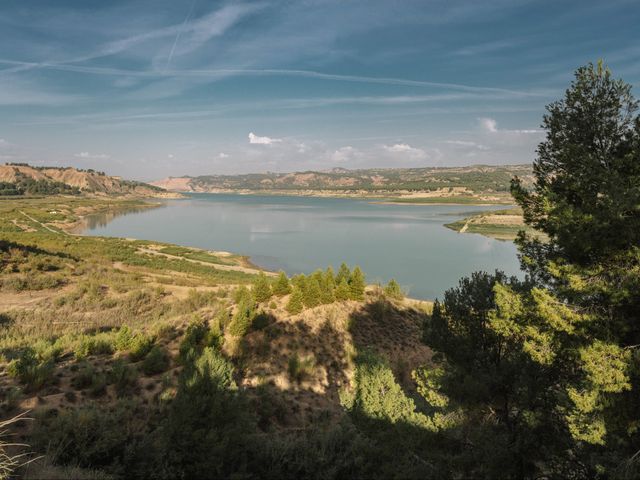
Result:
<point x="99" y="338"/>
<point x="21" y="179"/>
<point x="481" y="183"/>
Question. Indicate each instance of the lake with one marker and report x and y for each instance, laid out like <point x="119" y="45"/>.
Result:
<point x="300" y="234"/>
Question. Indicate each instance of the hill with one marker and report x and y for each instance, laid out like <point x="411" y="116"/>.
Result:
<point x="23" y="179"/>
<point x="483" y="183"/>
<point x="100" y="336"/>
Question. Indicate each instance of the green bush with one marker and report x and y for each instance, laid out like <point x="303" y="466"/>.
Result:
<point x="156" y="361"/>
<point x="91" y="436"/>
<point x="84" y="376"/>
<point x="31" y="371"/>
<point x="140" y="346"/>
<point x="192" y="341"/>
<point x="393" y="290"/>
<point x="124" y="377"/>
<point x="99" y="344"/>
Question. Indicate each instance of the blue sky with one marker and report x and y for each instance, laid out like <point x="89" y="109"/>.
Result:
<point x="147" y="89"/>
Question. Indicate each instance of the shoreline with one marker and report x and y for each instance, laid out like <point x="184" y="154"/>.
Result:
<point x="373" y="199"/>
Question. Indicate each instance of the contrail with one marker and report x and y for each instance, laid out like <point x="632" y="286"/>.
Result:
<point x="175" y="42"/>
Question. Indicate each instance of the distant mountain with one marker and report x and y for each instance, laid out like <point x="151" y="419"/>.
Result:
<point x="23" y="179"/>
<point x="472" y="181"/>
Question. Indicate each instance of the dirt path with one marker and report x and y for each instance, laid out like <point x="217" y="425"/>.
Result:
<point x="39" y="223"/>
<point x="215" y="266"/>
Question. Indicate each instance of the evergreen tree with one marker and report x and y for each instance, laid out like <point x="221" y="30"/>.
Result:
<point x="312" y="293"/>
<point x="548" y="366"/>
<point x="356" y="284"/>
<point x="343" y="273"/>
<point x="393" y="290"/>
<point x="282" y="286"/>
<point x="328" y="286"/>
<point x="296" y="302"/>
<point x="342" y="291"/>
<point x="261" y="288"/>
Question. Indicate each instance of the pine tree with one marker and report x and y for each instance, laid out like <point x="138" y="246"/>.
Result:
<point x="312" y="293"/>
<point x="295" y="304"/>
<point x="356" y="284"/>
<point x="261" y="288"/>
<point x="561" y="344"/>
<point x="328" y="286"/>
<point x="343" y="273"/>
<point x="342" y="291"/>
<point x="393" y="290"/>
<point x="282" y="286"/>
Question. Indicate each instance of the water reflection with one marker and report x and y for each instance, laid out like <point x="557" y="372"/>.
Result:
<point x="301" y="234"/>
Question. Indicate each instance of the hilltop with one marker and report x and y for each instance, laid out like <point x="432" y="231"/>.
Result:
<point x="478" y="183"/>
<point x="21" y="179"/>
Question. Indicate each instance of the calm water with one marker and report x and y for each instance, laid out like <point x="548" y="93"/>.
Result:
<point x="408" y="242"/>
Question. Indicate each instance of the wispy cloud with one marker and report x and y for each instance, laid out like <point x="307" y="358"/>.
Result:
<point x="92" y="156"/>
<point x="489" y="125"/>
<point x="247" y="72"/>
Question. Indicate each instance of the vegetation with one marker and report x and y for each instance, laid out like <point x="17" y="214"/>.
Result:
<point x="172" y="370"/>
<point x="466" y="185"/>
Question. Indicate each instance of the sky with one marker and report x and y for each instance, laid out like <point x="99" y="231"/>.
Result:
<point x="151" y="88"/>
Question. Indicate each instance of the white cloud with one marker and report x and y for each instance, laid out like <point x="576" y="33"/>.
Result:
<point x="406" y="150"/>
<point x="170" y="155"/>
<point x="3" y="142"/>
<point x="223" y="155"/>
<point x="256" y="140"/>
<point x="489" y="125"/>
<point x="92" y="156"/>
<point x="346" y="154"/>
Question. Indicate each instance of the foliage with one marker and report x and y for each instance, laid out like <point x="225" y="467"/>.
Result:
<point x="282" y="285"/>
<point x="356" y="284"/>
<point x="393" y="290"/>
<point x="261" y="288"/>
<point x="296" y="301"/>
<point x="31" y="370"/>
<point x="124" y="377"/>
<point x="156" y="361"/>
<point x="342" y="290"/>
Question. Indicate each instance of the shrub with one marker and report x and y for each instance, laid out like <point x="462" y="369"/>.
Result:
<point x="156" y="361"/>
<point x="393" y="290"/>
<point x="84" y="376"/>
<point x="124" y="377"/>
<point x="90" y="436"/>
<point x="192" y="341"/>
<point x="99" y="344"/>
<point x="140" y="346"/>
<point x="30" y="370"/>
